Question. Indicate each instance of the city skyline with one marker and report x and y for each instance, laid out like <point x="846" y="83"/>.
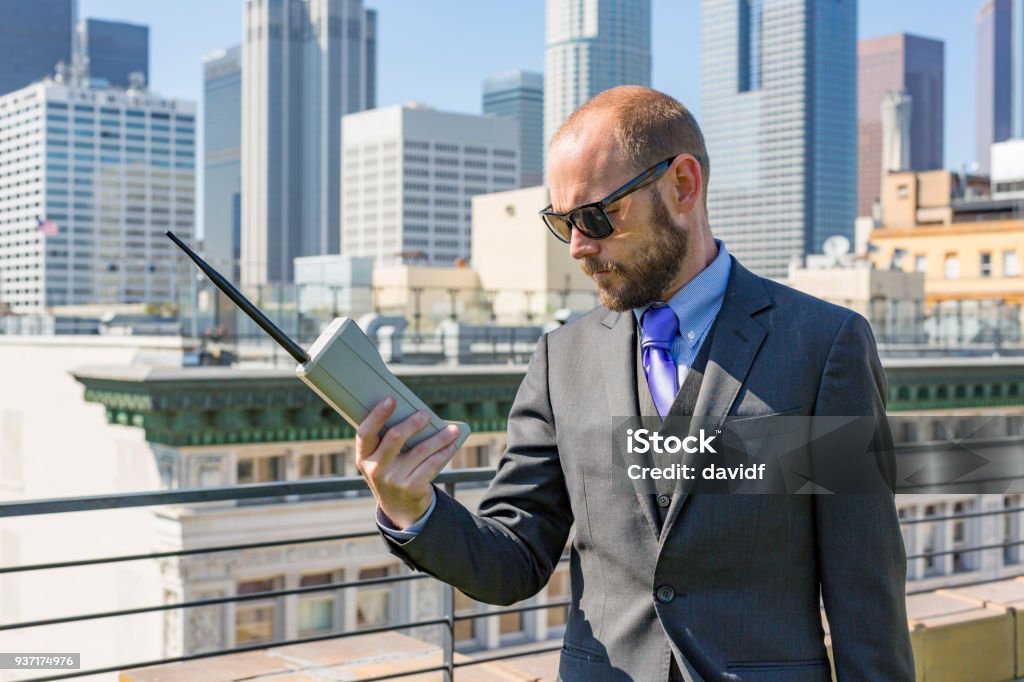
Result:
<point x="411" y="67"/>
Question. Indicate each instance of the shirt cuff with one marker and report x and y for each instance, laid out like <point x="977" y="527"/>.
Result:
<point x="412" y="531"/>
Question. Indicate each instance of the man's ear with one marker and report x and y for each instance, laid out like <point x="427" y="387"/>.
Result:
<point x="688" y="182"/>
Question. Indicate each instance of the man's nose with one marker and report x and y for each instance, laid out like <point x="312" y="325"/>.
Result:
<point x="581" y="246"/>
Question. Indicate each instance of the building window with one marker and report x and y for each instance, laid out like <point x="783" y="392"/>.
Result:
<point x="986" y="264"/>
<point x="558" y="590"/>
<point x="260" y="469"/>
<point x="750" y="45"/>
<point x="470" y="457"/>
<point x="373" y="602"/>
<point x="465" y="630"/>
<point x="316" y="609"/>
<point x="325" y="464"/>
<point x="256" y="621"/>
<point x="1011" y="530"/>
<point x="930" y="543"/>
<point x="1011" y="264"/>
<point x="511" y="627"/>
<point x="903" y="191"/>
<point x="920" y="263"/>
<point x="961" y="560"/>
<point x="951" y="266"/>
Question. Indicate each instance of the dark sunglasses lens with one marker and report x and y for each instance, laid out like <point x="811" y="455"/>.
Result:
<point x="559" y="226"/>
<point x="593" y="222"/>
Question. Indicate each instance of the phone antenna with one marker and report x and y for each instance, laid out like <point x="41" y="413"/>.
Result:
<point x="294" y="349"/>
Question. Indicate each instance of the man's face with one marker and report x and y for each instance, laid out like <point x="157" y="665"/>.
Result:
<point x="644" y="267"/>
<point x="638" y="262"/>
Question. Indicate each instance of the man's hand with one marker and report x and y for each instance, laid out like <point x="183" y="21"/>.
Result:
<point x="401" y="481"/>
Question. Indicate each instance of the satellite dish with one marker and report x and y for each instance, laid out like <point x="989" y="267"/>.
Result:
<point x="836" y="246"/>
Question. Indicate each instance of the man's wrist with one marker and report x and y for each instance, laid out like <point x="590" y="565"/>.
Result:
<point x="412" y="530"/>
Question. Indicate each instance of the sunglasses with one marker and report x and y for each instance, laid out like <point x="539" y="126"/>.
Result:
<point x="592" y="220"/>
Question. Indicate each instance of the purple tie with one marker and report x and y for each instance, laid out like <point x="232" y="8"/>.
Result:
<point x="660" y="326"/>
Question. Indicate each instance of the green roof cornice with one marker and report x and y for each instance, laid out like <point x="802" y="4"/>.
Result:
<point x="216" y="406"/>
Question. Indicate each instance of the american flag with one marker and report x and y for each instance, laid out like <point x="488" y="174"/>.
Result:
<point x="47" y="227"/>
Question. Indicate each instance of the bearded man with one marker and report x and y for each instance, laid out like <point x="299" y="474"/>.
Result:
<point x="664" y="587"/>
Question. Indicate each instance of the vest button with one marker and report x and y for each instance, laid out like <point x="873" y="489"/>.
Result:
<point x="665" y="594"/>
<point x="664" y="500"/>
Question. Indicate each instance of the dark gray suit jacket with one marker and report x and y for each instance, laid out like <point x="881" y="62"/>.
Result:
<point x="744" y="570"/>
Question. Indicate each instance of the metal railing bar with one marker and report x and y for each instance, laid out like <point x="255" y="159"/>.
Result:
<point x="187" y="552"/>
<point x="448" y="599"/>
<point x="962" y="515"/>
<point x="395" y="676"/>
<point x="513" y="609"/>
<point x="285" y="488"/>
<point x="216" y="600"/>
<point x="965" y="550"/>
<point x="216" y="494"/>
<point x="956" y="586"/>
<point x="240" y="650"/>
<point x="517" y="654"/>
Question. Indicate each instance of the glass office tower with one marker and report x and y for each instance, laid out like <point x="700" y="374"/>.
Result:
<point x="519" y="95"/>
<point x="779" y="114"/>
<point x="34" y="36"/>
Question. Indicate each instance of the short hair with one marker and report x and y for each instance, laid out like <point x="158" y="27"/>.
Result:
<point x="650" y="126"/>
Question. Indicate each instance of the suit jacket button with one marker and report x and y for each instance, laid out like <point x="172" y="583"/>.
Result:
<point x="665" y="594"/>
<point x="664" y="500"/>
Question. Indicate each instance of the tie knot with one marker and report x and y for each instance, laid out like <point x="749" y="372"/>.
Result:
<point x="660" y="325"/>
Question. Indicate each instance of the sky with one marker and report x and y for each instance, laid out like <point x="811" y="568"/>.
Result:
<point x="439" y="51"/>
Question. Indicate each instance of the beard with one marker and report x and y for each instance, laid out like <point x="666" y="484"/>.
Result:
<point x="648" y="272"/>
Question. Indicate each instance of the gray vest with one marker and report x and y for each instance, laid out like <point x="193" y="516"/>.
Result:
<point x="685" y="400"/>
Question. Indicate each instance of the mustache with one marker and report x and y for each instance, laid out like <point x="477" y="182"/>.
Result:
<point x="591" y="265"/>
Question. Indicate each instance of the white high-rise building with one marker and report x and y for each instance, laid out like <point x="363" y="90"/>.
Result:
<point x="779" y="116"/>
<point x="592" y="45"/>
<point x="306" y="63"/>
<point x="409" y="177"/>
<point x="90" y="179"/>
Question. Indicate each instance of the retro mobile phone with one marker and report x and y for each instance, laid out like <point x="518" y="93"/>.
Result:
<point x="343" y="367"/>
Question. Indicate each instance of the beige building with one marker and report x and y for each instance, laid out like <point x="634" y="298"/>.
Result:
<point x="433" y="292"/>
<point x="519" y="259"/>
<point x="968" y="246"/>
<point x="892" y="301"/>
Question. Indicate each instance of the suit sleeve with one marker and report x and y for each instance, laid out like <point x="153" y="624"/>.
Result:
<point x="507" y="551"/>
<point x="861" y="556"/>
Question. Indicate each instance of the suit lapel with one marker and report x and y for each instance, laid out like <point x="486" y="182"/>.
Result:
<point x="737" y="338"/>
<point x="620" y="389"/>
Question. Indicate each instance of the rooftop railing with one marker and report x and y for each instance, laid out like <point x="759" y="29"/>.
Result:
<point x="449" y="480"/>
<point x="448" y="620"/>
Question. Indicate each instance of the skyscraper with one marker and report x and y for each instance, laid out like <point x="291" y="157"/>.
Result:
<point x="519" y="95"/>
<point x="895" y="63"/>
<point x="306" y="64"/>
<point x="410" y="176"/>
<point x="96" y="178"/>
<point x="34" y="36"/>
<point x="592" y="45"/>
<point x="222" y="184"/>
<point x="115" y="49"/>
<point x="778" y="98"/>
<point x="994" y="41"/>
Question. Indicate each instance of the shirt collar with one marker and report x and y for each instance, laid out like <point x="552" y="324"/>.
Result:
<point x="700" y="299"/>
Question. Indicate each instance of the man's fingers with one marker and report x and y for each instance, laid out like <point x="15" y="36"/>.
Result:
<point x="368" y="433"/>
<point x="404" y="466"/>
<point x="426" y="470"/>
<point x="396" y="437"/>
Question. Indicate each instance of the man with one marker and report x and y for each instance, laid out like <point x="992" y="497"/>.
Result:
<point x="683" y="586"/>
